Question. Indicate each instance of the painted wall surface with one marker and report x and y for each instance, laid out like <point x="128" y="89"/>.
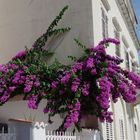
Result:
<point x="113" y="12"/>
<point x="23" y="21"/>
<point x="20" y="110"/>
<point x="121" y="110"/>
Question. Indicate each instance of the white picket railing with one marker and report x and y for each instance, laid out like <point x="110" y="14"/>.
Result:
<point x="53" y="135"/>
<point x="39" y="131"/>
<point x="11" y="135"/>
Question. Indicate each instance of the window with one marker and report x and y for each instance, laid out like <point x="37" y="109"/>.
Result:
<point x="109" y="131"/>
<point x="127" y="60"/>
<point x="3" y="128"/>
<point x="104" y="24"/>
<point x="132" y="60"/>
<point x="134" y="65"/>
<point x="106" y="4"/>
<point x="117" y="48"/>
<point x="135" y="127"/>
<point x="127" y="55"/>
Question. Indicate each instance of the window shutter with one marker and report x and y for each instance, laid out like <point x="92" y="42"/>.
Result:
<point x="122" y="128"/>
<point x="109" y="131"/>
<point x="106" y="26"/>
<point x="127" y="60"/>
<point x="117" y="36"/>
<point x="134" y="66"/>
<point x="103" y="23"/>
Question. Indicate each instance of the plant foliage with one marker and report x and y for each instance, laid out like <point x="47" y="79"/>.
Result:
<point x="85" y="87"/>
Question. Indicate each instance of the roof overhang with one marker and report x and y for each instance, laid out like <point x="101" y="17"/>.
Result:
<point x="129" y="23"/>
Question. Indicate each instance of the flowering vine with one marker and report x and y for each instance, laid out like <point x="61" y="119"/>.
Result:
<point x="84" y="88"/>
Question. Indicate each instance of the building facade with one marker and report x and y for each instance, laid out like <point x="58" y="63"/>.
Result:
<point x="91" y="20"/>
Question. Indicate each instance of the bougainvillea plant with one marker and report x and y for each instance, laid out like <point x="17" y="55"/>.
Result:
<point x="85" y="87"/>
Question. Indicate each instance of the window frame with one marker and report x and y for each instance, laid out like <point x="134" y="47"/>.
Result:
<point x="104" y="19"/>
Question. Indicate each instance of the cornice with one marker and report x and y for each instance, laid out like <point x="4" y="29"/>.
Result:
<point x="128" y="21"/>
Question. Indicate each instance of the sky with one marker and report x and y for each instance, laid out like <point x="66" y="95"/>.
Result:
<point x="136" y="5"/>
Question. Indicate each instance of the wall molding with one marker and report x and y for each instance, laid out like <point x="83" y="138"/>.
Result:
<point x="106" y="5"/>
<point x="116" y="24"/>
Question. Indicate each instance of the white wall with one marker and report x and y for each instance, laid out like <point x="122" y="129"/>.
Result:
<point x="20" y="110"/>
<point x="121" y="110"/>
<point x="23" y="21"/>
<point x="113" y="12"/>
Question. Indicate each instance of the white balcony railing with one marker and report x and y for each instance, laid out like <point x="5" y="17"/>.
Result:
<point x="10" y="135"/>
<point x="38" y="131"/>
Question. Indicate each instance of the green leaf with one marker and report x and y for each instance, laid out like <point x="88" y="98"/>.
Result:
<point x="59" y="31"/>
<point x="73" y="58"/>
<point x="80" y="44"/>
<point x="40" y="42"/>
<point x="103" y="64"/>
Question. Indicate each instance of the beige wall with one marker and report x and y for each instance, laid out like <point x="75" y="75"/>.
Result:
<point x="23" y="21"/>
<point x="122" y="111"/>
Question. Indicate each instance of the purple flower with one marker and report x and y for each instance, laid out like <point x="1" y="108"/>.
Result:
<point x="106" y="116"/>
<point x="12" y="66"/>
<point x="99" y="50"/>
<point x="77" y="105"/>
<point x="85" y="89"/>
<point x="93" y="72"/>
<point x="15" y="80"/>
<point x="73" y="117"/>
<point x="128" y="92"/>
<point x="32" y="102"/>
<point x="77" y="66"/>
<point x="11" y="89"/>
<point x="105" y="88"/>
<point x="27" y="89"/>
<point x="37" y="83"/>
<point x="109" y="40"/>
<point x="111" y="71"/>
<point x="134" y="78"/>
<point x="20" y="54"/>
<point x="65" y="78"/>
<point x="90" y="63"/>
<point x="4" y="69"/>
<point x="4" y="98"/>
<point x="54" y="85"/>
<point x="75" y="85"/>
<point x="46" y="110"/>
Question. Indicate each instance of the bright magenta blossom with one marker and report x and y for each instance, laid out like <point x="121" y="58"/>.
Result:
<point x="83" y="88"/>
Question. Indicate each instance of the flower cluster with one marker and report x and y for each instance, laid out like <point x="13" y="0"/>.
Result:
<point x="32" y="102"/>
<point x="73" y="117"/>
<point x="20" y="55"/>
<point x="83" y="88"/>
<point x="104" y="97"/>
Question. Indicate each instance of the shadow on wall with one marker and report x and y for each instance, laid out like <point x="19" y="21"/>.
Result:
<point x="20" y="110"/>
<point x="24" y="21"/>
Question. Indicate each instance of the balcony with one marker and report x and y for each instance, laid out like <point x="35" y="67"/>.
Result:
<point x="21" y="130"/>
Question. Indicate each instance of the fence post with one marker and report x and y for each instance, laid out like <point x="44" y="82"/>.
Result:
<point x="38" y="131"/>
